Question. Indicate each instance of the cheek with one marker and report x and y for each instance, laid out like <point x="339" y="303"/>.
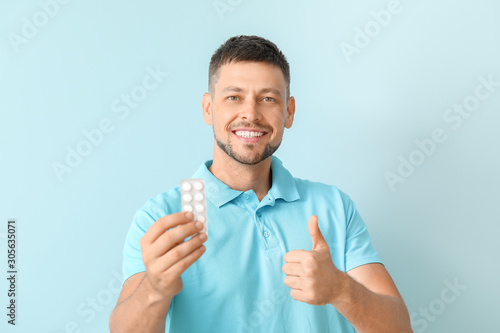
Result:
<point x="278" y="122"/>
<point x="221" y="125"/>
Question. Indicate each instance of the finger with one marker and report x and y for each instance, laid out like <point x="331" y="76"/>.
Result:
<point x="293" y="282"/>
<point x="294" y="269"/>
<point x="316" y="236"/>
<point x="174" y="237"/>
<point x="296" y="255"/>
<point x="181" y="251"/>
<point x="179" y="267"/>
<point x="163" y="224"/>
<point x="297" y="294"/>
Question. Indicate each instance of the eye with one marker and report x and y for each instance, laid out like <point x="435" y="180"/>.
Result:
<point x="232" y="98"/>
<point x="269" y="99"/>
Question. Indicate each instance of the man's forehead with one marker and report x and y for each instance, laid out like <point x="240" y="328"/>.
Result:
<point x="239" y="72"/>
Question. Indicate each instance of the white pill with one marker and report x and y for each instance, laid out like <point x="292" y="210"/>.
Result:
<point x="193" y="199"/>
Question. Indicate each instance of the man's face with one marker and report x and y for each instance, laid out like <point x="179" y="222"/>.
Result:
<point x="248" y="110"/>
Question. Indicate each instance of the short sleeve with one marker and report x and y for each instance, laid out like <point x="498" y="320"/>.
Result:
<point x="359" y="250"/>
<point x="132" y="253"/>
<point x="163" y="204"/>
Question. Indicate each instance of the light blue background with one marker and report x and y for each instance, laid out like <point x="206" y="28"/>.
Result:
<point x="353" y="121"/>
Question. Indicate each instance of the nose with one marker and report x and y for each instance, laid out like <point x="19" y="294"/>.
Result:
<point x="250" y="111"/>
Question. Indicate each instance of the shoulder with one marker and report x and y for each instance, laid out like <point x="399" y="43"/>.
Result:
<point x="160" y="205"/>
<point x="310" y="190"/>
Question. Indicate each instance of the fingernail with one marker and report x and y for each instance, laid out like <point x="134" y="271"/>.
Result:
<point x="189" y="215"/>
<point x="199" y="225"/>
<point x="203" y="237"/>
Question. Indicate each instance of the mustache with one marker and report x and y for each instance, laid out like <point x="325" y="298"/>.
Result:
<point x="250" y="126"/>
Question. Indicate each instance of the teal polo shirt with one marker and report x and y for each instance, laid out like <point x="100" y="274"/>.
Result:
<point x="237" y="284"/>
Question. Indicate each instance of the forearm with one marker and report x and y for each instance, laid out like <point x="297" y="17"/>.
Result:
<point x="370" y="312"/>
<point x="143" y="311"/>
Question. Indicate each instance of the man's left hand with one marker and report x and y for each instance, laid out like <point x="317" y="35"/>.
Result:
<point x="313" y="277"/>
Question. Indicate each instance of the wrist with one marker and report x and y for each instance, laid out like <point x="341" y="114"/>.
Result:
<point x="344" y="294"/>
<point x="153" y="296"/>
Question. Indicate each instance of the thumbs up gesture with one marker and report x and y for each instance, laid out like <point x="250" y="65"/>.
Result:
<point x="313" y="277"/>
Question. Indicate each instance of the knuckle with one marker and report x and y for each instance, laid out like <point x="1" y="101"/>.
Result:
<point x="176" y="252"/>
<point x="183" y="265"/>
<point x="168" y="237"/>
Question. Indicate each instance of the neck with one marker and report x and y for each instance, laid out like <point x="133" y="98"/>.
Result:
<point x="243" y="177"/>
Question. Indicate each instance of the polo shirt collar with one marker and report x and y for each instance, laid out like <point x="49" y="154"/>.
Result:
<point x="283" y="184"/>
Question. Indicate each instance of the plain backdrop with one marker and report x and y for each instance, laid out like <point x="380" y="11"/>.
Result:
<point x="370" y="78"/>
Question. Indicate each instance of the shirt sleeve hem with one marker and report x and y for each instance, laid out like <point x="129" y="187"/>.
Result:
<point x="128" y="275"/>
<point x="363" y="261"/>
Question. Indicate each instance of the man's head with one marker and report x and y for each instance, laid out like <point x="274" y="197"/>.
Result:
<point x="247" y="48"/>
<point x="249" y="104"/>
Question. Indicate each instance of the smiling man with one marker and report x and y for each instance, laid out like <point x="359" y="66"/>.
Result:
<point x="284" y="254"/>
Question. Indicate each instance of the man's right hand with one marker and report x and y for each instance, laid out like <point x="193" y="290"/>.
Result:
<point x="165" y="253"/>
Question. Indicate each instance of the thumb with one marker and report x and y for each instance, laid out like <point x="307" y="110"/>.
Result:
<point x="317" y="237"/>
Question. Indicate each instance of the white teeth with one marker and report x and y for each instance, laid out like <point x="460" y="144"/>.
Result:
<point x="248" y="134"/>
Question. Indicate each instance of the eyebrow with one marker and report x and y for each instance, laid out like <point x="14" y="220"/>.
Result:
<point x="238" y="89"/>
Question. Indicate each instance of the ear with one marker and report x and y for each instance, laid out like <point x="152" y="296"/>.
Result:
<point x="207" y="108"/>
<point x="290" y="110"/>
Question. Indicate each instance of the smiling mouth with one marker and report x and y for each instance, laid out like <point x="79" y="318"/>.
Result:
<point x="249" y="134"/>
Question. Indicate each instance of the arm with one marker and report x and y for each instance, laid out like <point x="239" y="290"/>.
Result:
<point x="366" y="296"/>
<point x="139" y="307"/>
<point x="145" y="297"/>
<point x="370" y="300"/>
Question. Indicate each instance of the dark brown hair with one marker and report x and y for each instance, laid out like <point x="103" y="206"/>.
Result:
<point x="247" y="48"/>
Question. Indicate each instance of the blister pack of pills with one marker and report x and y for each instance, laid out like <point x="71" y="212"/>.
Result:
<point x="193" y="200"/>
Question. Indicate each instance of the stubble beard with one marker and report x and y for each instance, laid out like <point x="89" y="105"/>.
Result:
<point x="228" y="149"/>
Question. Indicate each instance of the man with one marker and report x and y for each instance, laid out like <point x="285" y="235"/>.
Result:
<point x="283" y="254"/>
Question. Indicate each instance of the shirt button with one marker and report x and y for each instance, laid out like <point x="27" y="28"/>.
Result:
<point x="266" y="234"/>
<point x="245" y="196"/>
